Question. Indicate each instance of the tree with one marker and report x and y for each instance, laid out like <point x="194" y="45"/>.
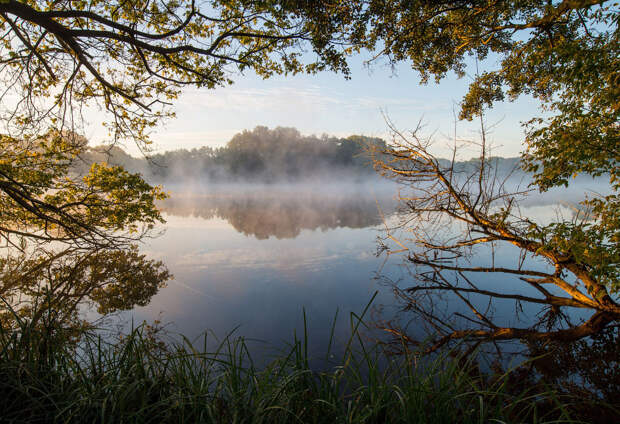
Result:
<point x="453" y="218"/>
<point x="130" y="59"/>
<point x="565" y="54"/>
<point x="69" y="239"/>
<point x="42" y="202"/>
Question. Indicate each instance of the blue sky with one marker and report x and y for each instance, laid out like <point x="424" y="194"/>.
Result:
<point x="328" y="103"/>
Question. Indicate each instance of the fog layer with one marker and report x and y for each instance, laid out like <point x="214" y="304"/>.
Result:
<point x="261" y="155"/>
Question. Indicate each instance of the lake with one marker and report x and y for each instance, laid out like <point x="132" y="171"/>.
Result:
<point x="252" y="259"/>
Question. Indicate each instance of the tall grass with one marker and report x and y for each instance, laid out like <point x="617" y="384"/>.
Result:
<point x="138" y="379"/>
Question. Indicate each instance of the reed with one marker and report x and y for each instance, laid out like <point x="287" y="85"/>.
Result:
<point x="138" y="379"/>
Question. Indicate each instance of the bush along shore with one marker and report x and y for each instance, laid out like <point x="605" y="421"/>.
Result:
<point x="46" y="376"/>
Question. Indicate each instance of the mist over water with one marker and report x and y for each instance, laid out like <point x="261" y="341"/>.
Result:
<point x="263" y="155"/>
<point x="283" y="211"/>
<point x="277" y="223"/>
<point x="253" y="256"/>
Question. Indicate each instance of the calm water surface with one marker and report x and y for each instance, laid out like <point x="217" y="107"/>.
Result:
<point x="253" y="259"/>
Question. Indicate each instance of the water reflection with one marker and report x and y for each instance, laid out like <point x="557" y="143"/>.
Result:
<point x="50" y="286"/>
<point x="254" y="257"/>
<point x="233" y="252"/>
<point x="252" y="260"/>
<point x="284" y="214"/>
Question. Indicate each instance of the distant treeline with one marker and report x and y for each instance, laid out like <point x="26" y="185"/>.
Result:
<point x="263" y="155"/>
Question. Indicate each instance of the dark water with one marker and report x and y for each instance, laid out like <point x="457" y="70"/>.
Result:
<point x="253" y="259"/>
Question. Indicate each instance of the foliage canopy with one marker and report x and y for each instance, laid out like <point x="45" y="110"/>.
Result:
<point x="564" y="54"/>
<point x="131" y="59"/>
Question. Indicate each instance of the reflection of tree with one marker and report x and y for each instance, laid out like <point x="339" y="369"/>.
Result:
<point x="453" y="219"/>
<point x="595" y="362"/>
<point x="52" y="285"/>
<point x="281" y="215"/>
<point x="68" y="239"/>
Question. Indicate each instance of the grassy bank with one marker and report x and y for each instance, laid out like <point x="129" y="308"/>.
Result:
<point x="140" y="379"/>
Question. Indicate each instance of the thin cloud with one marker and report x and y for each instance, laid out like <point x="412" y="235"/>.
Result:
<point x="285" y="97"/>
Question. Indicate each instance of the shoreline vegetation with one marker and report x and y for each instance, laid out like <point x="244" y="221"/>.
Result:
<point x="46" y="375"/>
<point x="70" y="234"/>
<point x="269" y="156"/>
<point x="54" y="372"/>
